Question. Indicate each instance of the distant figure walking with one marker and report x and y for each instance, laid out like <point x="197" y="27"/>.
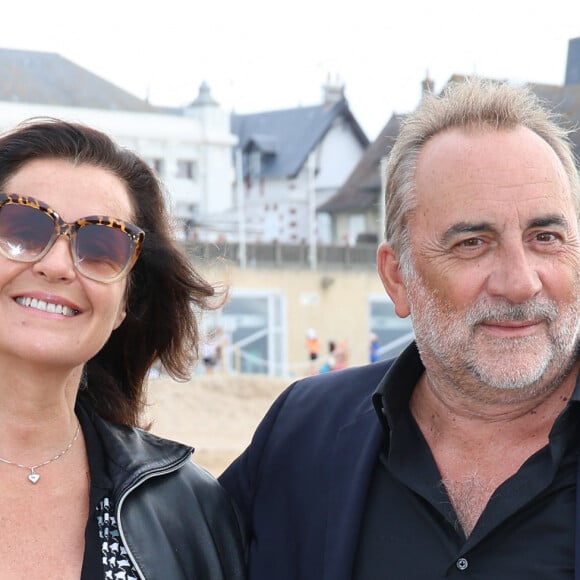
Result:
<point x="330" y="361"/>
<point x="313" y="348"/>
<point x="212" y="350"/>
<point x="341" y="353"/>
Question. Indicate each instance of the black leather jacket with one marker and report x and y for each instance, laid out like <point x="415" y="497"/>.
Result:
<point x="175" y="520"/>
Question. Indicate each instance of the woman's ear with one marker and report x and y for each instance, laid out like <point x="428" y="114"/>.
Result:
<point x="391" y="276"/>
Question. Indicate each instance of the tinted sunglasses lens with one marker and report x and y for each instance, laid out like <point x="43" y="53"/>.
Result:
<point x="102" y="252"/>
<point x="24" y="231"/>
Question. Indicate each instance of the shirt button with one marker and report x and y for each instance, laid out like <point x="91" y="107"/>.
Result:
<point x="462" y="564"/>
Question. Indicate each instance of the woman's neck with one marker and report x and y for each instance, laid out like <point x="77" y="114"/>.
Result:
<point x="36" y="410"/>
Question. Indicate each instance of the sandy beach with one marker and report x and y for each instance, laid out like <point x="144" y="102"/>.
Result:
<point x="217" y="414"/>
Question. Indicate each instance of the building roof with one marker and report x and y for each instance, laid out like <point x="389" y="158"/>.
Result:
<point x="361" y="189"/>
<point x="286" y="137"/>
<point x="47" y="78"/>
<point x="204" y="97"/>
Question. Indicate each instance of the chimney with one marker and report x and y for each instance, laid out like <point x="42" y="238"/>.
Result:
<point x="573" y="62"/>
<point x="333" y="92"/>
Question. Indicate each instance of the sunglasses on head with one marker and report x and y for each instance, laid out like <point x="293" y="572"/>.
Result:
<point x="103" y="248"/>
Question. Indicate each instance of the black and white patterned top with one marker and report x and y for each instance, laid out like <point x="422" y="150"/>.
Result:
<point x="116" y="563"/>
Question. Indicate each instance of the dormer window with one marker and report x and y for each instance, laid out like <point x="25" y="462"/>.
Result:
<point x="255" y="164"/>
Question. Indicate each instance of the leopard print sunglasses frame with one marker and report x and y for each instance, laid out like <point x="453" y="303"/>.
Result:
<point x="98" y="255"/>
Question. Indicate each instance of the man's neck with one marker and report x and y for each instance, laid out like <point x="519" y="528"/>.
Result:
<point x="477" y="447"/>
<point x="444" y="406"/>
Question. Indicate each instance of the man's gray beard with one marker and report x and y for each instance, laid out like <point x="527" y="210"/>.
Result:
<point x="452" y="339"/>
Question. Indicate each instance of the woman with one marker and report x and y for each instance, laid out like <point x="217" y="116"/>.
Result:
<point x="88" y="305"/>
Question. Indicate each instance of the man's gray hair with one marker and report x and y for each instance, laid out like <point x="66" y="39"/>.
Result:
<point x="469" y="103"/>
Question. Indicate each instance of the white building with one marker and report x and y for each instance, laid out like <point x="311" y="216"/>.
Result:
<point x="190" y="148"/>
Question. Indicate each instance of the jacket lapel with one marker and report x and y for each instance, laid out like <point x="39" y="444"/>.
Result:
<point x="352" y="460"/>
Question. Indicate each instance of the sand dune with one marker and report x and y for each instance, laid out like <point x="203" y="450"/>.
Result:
<point x="217" y="414"/>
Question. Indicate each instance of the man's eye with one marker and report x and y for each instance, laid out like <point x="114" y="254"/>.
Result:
<point x="546" y="237"/>
<point x="470" y="243"/>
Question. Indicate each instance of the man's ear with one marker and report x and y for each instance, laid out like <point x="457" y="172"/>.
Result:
<point x="391" y="276"/>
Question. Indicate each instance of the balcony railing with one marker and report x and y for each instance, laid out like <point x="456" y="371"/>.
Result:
<point x="268" y="255"/>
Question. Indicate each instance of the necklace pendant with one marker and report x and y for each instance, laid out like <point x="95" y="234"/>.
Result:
<point x="33" y="477"/>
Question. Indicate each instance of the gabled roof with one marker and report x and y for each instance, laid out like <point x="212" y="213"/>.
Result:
<point x="289" y="135"/>
<point x="363" y="186"/>
<point x="47" y="78"/>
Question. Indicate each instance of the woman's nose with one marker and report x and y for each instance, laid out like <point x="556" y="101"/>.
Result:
<point x="58" y="263"/>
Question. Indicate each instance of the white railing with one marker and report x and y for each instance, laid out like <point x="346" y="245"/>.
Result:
<point x="252" y="255"/>
<point x="234" y="355"/>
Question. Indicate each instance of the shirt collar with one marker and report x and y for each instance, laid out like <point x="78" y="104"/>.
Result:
<point x="391" y="398"/>
<point x="575" y="397"/>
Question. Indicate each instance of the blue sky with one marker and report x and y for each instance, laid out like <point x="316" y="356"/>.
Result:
<point x="261" y="55"/>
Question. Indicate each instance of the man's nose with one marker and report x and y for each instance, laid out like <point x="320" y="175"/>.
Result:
<point x="515" y="276"/>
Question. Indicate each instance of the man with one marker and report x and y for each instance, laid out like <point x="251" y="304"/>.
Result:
<point x="460" y="457"/>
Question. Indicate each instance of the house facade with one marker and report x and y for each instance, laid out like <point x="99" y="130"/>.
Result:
<point x="292" y="161"/>
<point x="356" y="211"/>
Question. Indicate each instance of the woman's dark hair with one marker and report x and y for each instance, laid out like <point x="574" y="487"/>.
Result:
<point x="163" y="290"/>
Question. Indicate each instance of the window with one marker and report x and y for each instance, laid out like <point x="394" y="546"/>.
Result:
<point x="254" y="323"/>
<point x="356" y="225"/>
<point x="255" y="161"/>
<point x="186" y="169"/>
<point x="156" y="163"/>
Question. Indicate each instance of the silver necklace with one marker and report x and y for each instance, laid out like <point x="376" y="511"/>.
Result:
<point x="33" y="477"/>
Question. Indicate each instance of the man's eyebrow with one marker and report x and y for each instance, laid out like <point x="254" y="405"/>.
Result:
<point x="462" y="228"/>
<point x="549" y="220"/>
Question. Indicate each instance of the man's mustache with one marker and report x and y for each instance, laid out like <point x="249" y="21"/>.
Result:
<point x="501" y="311"/>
